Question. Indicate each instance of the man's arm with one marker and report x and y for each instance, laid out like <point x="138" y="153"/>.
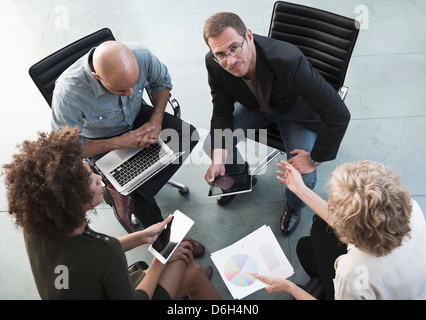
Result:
<point x="217" y="168"/>
<point x="129" y="140"/>
<point x="326" y="102"/>
<point x="222" y="118"/>
<point x="143" y="136"/>
<point x="146" y="236"/>
<point x="159" y="101"/>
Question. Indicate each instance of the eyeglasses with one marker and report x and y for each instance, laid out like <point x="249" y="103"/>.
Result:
<point x="233" y="51"/>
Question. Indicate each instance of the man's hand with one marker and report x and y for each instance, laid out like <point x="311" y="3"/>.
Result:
<point x="300" y="161"/>
<point x="159" y="102"/>
<point x="153" y="130"/>
<point x="127" y="141"/>
<point x="213" y="171"/>
<point x="217" y="168"/>
<point x="136" y="138"/>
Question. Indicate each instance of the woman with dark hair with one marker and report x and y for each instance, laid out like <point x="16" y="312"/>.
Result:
<point x="49" y="191"/>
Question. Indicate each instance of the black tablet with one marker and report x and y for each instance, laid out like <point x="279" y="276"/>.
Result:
<point x="229" y="184"/>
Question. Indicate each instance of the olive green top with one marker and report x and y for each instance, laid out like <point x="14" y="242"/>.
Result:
<point x="87" y="266"/>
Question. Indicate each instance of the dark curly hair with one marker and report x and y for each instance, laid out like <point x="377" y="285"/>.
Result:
<point x="48" y="186"/>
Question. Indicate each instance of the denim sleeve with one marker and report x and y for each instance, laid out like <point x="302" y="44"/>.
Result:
<point x="153" y="70"/>
<point x="64" y="113"/>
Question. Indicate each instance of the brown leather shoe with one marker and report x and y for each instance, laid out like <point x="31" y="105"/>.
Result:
<point x="208" y="271"/>
<point x="123" y="207"/>
<point x="197" y="248"/>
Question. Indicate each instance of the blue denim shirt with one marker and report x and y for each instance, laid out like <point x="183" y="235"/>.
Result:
<point x="79" y="100"/>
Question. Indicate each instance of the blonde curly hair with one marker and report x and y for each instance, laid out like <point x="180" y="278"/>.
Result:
<point x="368" y="207"/>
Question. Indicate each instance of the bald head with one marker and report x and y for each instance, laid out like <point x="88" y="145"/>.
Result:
<point x="115" y="67"/>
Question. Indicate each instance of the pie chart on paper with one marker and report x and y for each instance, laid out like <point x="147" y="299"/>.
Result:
<point x="240" y="269"/>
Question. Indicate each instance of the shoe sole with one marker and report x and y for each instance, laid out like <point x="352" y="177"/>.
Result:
<point x="110" y="202"/>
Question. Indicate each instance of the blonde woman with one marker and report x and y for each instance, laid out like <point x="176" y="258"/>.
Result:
<point x="383" y="227"/>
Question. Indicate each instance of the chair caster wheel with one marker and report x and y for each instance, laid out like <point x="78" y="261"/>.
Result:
<point x="184" y="190"/>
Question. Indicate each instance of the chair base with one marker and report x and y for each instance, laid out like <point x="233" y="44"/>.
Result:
<point x="181" y="187"/>
<point x="139" y="265"/>
<point x="275" y="153"/>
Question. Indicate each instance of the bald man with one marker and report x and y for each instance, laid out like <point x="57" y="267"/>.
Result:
<point x="101" y="94"/>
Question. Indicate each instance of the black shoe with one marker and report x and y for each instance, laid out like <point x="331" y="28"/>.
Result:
<point x="315" y="288"/>
<point x="289" y="220"/>
<point x="224" y="200"/>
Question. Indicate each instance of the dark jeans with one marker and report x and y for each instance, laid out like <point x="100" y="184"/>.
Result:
<point x="294" y="136"/>
<point x="179" y="136"/>
<point x="318" y="252"/>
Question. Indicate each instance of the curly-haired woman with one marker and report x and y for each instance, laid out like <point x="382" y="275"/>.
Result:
<point x="383" y="228"/>
<point x="49" y="191"/>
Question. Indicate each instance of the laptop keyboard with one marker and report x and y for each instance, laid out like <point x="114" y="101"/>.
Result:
<point x="138" y="163"/>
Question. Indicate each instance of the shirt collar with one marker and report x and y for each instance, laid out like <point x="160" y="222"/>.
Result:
<point x="97" y="88"/>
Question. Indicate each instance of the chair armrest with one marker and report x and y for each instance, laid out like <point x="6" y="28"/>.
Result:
<point x="175" y="105"/>
<point x="342" y="92"/>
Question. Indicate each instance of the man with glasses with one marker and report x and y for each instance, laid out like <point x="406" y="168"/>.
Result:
<point x="256" y="81"/>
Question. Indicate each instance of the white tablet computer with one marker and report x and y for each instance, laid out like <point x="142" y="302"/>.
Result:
<point x="171" y="236"/>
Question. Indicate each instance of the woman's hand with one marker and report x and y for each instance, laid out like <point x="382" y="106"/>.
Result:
<point x="275" y="285"/>
<point x="279" y="285"/>
<point x="290" y="176"/>
<point x="151" y="233"/>
<point x="182" y="252"/>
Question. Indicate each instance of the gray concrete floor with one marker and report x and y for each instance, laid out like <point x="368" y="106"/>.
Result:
<point x="386" y="98"/>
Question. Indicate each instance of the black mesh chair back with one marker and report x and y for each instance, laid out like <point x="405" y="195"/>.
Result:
<point x="45" y="72"/>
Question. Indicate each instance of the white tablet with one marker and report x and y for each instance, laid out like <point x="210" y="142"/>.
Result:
<point x="171" y="236"/>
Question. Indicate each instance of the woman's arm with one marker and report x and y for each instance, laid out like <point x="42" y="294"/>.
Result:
<point x="183" y="254"/>
<point x="146" y="236"/>
<point x="293" y="180"/>
<point x="278" y="285"/>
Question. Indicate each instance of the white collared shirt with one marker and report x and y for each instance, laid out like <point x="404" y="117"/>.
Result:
<point x="398" y="275"/>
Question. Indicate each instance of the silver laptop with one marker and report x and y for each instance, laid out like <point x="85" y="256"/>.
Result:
<point x="128" y="169"/>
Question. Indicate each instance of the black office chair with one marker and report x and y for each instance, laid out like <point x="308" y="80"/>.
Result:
<point x="325" y="38"/>
<point x="45" y="72"/>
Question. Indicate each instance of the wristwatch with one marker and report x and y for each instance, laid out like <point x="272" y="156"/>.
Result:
<point x="312" y="162"/>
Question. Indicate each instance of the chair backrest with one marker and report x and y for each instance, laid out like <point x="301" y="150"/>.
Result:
<point x="45" y="72"/>
<point x="326" y="39"/>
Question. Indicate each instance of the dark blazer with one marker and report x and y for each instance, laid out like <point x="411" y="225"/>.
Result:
<point x="290" y="87"/>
